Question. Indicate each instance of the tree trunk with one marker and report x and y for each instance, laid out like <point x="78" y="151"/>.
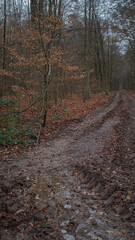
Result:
<point x="33" y="10"/>
<point x="4" y="49"/>
<point x="4" y="35"/>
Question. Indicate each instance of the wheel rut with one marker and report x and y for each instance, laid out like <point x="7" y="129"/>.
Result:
<point x="80" y="185"/>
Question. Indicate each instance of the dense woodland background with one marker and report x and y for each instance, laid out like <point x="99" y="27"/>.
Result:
<point x="54" y="49"/>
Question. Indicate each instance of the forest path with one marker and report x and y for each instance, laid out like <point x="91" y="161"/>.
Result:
<point x="77" y="186"/>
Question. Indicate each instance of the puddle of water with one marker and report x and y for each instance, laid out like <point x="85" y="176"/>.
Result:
<point x="67" y="195"/>
<point x="63" y="231"/>
<point x="97" y="228"/>
<point x="67" y="206"/>
<point x="81" y="226"/>
<point x="69" y="237"/>
<point x="96" y="223"/>
<point x="92" y="215"/>
<point x="92" y="235"/>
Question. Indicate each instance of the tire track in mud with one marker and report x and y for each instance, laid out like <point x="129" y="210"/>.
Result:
<point x="79" y="185"/>
<point x="111" y="180"/>
<point x="92" y="150"/>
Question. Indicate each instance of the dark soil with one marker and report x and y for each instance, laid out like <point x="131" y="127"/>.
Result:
<point x="77" y="186"/>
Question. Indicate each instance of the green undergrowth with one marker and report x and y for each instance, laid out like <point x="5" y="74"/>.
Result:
<point x="13" y="132"/>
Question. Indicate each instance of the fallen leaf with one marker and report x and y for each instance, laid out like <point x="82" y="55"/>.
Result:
<point x="44" y="209"/>
<point x="77" y="174"/>
<point x="101" y="213"/>
<point x="31" y="224"/>
<point x="109" y="231"/>
<point x="119" y="233"/>
<point x="103" y="174"/>
<point x="128" y="197"/>
<point x="50" y="220"/>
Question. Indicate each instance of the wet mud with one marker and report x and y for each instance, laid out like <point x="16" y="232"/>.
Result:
<point x="80" y="185"/>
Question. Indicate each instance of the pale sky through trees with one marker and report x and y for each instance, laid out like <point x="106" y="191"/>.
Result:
<point x="96" y="35"/>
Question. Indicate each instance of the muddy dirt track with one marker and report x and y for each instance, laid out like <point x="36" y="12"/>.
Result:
<point x="80" y="185"/>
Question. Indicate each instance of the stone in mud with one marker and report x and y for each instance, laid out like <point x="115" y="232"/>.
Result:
<point x="81" y="227"/>
<point x="68" y="237"/>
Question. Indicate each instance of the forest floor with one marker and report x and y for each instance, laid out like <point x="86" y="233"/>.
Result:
<point x="78" y="184"/>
